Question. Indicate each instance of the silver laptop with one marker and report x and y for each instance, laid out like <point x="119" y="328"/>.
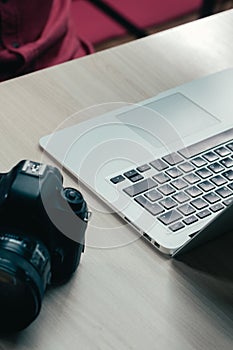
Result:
<point x="165" y="165"/>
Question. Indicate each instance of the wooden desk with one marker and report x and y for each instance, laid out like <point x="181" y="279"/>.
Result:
<point x="130" y="297"/>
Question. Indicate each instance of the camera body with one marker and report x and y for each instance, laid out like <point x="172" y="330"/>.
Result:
<point x="42" y="237"/>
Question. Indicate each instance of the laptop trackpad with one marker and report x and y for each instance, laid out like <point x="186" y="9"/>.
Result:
<point x="168" y="119"/>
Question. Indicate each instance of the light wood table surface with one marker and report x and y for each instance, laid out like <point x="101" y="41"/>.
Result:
<point x="125" y="294"/>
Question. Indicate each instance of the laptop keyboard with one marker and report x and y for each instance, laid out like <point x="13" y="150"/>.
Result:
<point x="187" y="185"/>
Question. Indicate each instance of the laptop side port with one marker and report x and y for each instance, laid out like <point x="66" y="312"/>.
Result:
<point x="148" y="238"/>
<point x="145" y="235"/>
<point x="157" y="245"/>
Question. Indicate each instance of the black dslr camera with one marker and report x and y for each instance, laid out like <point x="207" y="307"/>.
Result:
<point x="42" y="232"/>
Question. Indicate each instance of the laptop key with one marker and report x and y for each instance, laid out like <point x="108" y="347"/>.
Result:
<point x="179" y="184"/>
<point x="174" y="172"/>
<point x="210" y="156"/>
<point x="192" y="178"/>
<point x="161" y="178"/>
<point x="230" y="146"/>
<point x="186" y="209"/>
<point x="216" y="167"/>
<point x="227" y="201"/>
<point x="159" y="165"/>
<point x="136" y="178"/>
<point x="115" y="180"/>
<point x="227" y="162"/>
<point x="224" y="192"/>
<point x="176" y="226"/>
<point x="218" y="180"/>
<point x="212" y="197"/>
<point x="216" y="207"/>
<point x="228" y="175"/>
<point x="169" y="217"/>
<point x="193" y="191"/>
<point x="153" y="208"/>
<point x="222" y="151"/>
<point x="173" y="158"/>
<point x="190" y="220"/>
<point x="140" y="187"/>
<point x="203" y="214"/>
<point x="153" y="195"/>
<point x="168" y="203"/>
<point x="143" y="168"/>
<point x="130" y="173"/>
<point x="199" y="162"/>
<point x="206" y="186"/>
<point x="199" y="203"/>
<point x="204" y="173"/>
<point x="181" y="197"/>
<point x="186" y="167"/>
<point x="231" y="186"/>
<point x="166" y="190"/>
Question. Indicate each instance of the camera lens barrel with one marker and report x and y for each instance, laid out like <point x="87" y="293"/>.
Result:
<point x="24" y="274"/>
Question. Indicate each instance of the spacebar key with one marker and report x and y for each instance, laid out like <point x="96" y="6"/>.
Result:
<point x="169" y="217"/>
<point x="140" y="187"/>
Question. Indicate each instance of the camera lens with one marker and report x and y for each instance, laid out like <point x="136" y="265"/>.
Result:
<point x="24" y="274"/>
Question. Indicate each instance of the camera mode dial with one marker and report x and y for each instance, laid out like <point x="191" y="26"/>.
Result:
<point x="74" y="198"/>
